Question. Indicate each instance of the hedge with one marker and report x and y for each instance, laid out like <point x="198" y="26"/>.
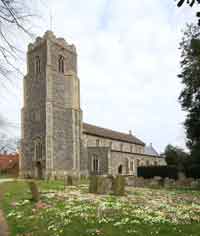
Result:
<point x="162" y="171"/>
<point x="193" y="172"/>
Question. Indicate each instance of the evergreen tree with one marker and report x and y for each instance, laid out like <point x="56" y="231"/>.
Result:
<point x="190" y="95"/>
<point x="176" y="156"/>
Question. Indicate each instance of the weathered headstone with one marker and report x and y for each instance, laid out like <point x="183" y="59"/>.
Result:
<point x="100" y="184"/>
<point x="195" y="184"/>
<point x="93" y="184"/>
<point x="105" y="211"/>
<point x="119" y="185"/>
<point x="104" y="185"/>
<point x="68" y="180"/>
<point x="34" y="190"/>
<point x="168" y="183"/>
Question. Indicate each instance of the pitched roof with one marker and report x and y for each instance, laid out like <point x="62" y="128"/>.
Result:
<point x="111" y="134"/>
<point x="150" y="150"/>
<point x="8" y="161"/>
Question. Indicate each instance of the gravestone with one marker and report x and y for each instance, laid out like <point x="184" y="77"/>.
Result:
<point x="119" y="185"/>
<point x="100" y="184"/>
<point x="34" y="190"/>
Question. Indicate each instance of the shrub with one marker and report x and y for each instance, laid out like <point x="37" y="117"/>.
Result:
<point x="162" y="171"/>
<point x="193" y="172"/>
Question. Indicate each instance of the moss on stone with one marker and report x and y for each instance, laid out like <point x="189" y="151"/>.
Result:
<point x="119" y="185"/>
<point x="93" y="184"/>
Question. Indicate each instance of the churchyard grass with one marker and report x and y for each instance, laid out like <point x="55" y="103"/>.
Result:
<point x="73" y="211"/>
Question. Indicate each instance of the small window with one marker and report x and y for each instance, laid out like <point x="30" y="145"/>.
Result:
<point x="120" y="169"/>
<point x="131" y="148"/>
<point x="110" y="144"/>
<point x="37" y="65"/>
<point x="121" y="147"/>
<point x="61" y="64"/>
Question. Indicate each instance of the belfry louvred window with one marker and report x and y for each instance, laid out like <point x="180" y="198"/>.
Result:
<point x="61" y="64"/>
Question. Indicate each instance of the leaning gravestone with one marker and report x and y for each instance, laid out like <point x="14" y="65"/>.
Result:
<point x="34" y="190"/>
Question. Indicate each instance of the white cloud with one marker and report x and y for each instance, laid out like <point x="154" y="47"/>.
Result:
<point x="128" y="62"/>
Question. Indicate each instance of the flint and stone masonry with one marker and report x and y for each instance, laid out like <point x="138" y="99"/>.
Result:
<point x="55" y="141"/>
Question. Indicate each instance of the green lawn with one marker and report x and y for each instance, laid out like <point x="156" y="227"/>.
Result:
<point x="74" y="212"/>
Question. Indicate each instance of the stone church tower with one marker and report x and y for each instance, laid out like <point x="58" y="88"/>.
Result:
<point x="51" y="117"/>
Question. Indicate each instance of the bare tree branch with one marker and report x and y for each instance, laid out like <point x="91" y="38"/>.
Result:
<point x="15" y="15"/>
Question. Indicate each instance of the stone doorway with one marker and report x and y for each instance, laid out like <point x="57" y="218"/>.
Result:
<point x="39" y="170"/>
<point x="120" y="168"/>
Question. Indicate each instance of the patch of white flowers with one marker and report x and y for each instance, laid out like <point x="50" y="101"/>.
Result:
<point x="142" y="206"/>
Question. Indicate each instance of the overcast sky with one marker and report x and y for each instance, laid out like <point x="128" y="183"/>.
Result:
<point x="128" y="61"/>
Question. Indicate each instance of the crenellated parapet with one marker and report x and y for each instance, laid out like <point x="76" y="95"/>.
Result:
<point x="49" y="35"/>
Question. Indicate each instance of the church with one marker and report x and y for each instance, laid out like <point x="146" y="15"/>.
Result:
<point x="55" y="141"/>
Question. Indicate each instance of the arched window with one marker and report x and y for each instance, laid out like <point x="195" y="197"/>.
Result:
<point x="120" y="167"/>
<point x="37" y="65"/>
<point x="61" y="64"/>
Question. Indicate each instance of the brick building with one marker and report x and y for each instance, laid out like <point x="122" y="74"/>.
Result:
<point x="9" y="164"/>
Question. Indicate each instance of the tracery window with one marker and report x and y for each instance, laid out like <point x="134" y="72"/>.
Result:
<point x="61" y="64"/>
